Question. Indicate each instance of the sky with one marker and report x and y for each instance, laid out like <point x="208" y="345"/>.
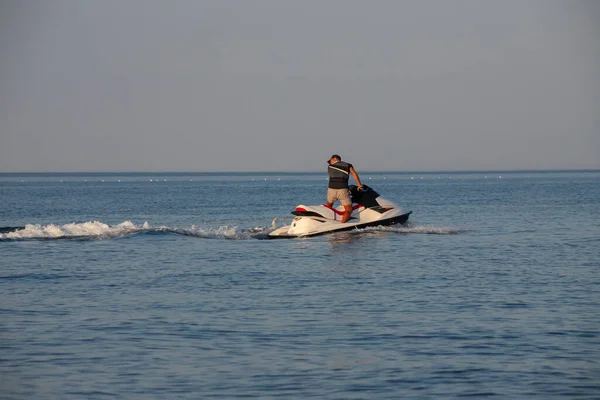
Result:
<point x="280" y="85"/>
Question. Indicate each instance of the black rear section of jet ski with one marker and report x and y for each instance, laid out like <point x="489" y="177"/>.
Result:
<point x="367" y="197"/>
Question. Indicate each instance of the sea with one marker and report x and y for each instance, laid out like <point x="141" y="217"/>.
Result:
<point x="165" y="286"/>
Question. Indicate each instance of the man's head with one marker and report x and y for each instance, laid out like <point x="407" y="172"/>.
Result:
<point x="334" y="158"/>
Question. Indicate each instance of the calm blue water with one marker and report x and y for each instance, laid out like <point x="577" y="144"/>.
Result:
<point x="159" y="286"/>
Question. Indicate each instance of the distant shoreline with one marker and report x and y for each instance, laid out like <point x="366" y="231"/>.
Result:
<point x="289" y="173"/>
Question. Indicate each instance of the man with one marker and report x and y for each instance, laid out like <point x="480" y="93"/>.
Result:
<point x="339" y="173"/>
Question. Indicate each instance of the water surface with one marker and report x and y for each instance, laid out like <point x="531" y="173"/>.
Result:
<point x="160" y="286"/>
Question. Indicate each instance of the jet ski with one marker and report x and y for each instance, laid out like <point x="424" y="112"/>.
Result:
<point x="368" y="209"/>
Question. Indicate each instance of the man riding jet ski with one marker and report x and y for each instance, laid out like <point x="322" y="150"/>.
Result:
<point x="368" y="209"/>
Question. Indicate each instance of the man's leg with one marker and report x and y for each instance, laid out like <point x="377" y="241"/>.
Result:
<point x="347" y="213"/>
<point x="346" y="201"/>
<point x="331" y="198"/>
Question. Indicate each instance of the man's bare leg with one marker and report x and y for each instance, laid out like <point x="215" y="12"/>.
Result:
<point x="347" y="213"/>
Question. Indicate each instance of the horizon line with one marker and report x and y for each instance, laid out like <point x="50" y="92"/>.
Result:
<point x="304" y="172"/>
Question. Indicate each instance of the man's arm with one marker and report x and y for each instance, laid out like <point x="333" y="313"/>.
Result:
<point x="356" y="178"/>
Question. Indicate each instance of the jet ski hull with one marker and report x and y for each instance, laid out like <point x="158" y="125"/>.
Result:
<point x="369" y="209"/>
<point x="332" y="227"/>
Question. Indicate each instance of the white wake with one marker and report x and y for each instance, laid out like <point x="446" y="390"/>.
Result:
<point x="91" y="229"/>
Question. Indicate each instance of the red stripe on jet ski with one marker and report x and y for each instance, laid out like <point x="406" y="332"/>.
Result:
<point x="356" y="206"/>
<point x="334" y="210"/>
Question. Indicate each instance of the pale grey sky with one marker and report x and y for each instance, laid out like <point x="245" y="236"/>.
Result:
<point x="276" y="85"/>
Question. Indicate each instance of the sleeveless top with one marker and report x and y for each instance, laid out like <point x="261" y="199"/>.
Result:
<point x="339" y="174"/>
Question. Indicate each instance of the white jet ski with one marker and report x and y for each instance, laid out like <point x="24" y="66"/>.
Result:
<point x="368" y="209"/>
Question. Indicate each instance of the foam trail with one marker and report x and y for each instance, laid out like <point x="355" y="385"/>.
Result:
<point x="98" y="230"/>
<point x="414" y="229"/>
<point x="422" y="229"/>
<point x="224" y="232"/>
<point x="91" y="229"/>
